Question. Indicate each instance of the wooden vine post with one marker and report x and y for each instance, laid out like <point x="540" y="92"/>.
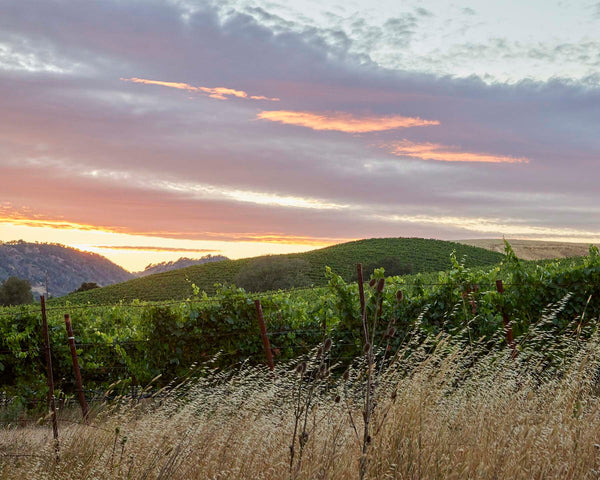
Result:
<point x="49" y="374"/>
<point x="510" y="339"/>
<point x="361" y="295"/>
<point x="263" y="334"/>
<point x="78" y="381"/>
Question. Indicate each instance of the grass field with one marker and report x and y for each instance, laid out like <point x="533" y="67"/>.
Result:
<point x="533" y="249"/>
<point x="424" y="255"/>
<point x="439" y="416"/>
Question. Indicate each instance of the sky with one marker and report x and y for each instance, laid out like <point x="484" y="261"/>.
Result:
<point x="150" y="130"/>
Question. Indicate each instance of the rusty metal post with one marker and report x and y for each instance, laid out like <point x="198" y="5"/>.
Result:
<point x="51" y="399"/>
<point x="263" y="334"/>
<point x="361" y="294"/>
<point x="510" y="339"/>
<point x="78" y="382"/>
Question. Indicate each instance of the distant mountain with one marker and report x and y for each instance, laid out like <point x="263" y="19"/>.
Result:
<point x="181" y="263"/>
<point x="66" y="268"/>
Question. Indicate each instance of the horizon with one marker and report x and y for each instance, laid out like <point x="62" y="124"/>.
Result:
<point x="251" y="127"/>
<point x="140" y="266"/>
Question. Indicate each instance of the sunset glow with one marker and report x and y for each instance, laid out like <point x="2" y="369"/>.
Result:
<point x="343" y="122"/>
<point x="135" y="251"/>
<point x="147" y="131"/>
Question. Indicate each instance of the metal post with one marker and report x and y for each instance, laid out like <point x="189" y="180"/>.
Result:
<point x="510" y="339"/>
<point x="51" y="399"/>
<point x="78" y="381"/>
<point x="361" y="294"/>
<point x="263" y="334"/>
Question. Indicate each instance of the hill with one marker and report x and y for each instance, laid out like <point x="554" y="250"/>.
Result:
<point x="177" y="264"/>
<point x="66" y="268"/>
<point x="533" y="249"/>
<point x="422" y="255"/>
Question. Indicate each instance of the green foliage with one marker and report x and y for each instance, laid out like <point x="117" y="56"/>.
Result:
<point x="85" y="286"/>
<point x="393" y="266"/>
<point x="143" y="340"/>
<point x="273" y="273"/>
<point x="424" y="255"/>
<point x="15" y="291"/>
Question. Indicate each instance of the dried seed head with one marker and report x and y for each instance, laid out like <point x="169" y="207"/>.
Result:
<point x="372" y="282"/>
<point x="380" y="285"/>
<point x="346" y="375"/>
<point x="319" y="352"/>
<point x="367" y="347"/>
<point x="391" y="331"/>
<point x="327" y="345"/>
<point x="301" y="368"/>
<point x="337" y="399"/>
<point x="399" y="296"/>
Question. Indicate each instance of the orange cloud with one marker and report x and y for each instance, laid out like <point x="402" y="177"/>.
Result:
<point x="343" y="122"/>
<point x="27" y="218"/>
<point x="443" y="153"/>
<point x="149" y="248"/>
<point x="220" y="93"/>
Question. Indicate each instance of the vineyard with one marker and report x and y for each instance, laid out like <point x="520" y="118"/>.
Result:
<point x="129" y="344"/>
<point x="470" y="373"/>
<point x="422" y="255"/>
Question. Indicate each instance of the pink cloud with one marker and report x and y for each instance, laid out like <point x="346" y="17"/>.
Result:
<point x="219" y="93"/>
<point x="444" y="153"/>
<point x="343" y="122"/>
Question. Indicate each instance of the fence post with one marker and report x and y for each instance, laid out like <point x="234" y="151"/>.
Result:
<point x="78" y="381"/>
<point x="263" y="334"/>
<point x="361" y="295"/>
<point x="51" y="399"/>
<point x="510" y="339"/>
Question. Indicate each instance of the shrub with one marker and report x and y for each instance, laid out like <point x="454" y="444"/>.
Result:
<point x="15" y="291"/>
<point x="393" y="266"/>
<point x="273" y="273"/>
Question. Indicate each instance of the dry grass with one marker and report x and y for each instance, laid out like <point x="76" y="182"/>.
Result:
<point x="532" y="249"/>
<point x="450" y="417"/>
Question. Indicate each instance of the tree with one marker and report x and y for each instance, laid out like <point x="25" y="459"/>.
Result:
<point x="85" y="286"/>
<point x="15" y="291"/>
<point x="273" y="273"/>
<point x="392" y="265"/>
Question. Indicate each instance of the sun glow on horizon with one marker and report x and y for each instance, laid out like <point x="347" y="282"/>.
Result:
<point x="135" y="251"/>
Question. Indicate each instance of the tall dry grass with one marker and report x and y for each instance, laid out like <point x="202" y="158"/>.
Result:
<point x="444" y="412"/>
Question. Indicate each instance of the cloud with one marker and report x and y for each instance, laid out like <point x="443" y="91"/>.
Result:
<point x="219" y="93"/>
<point x="207" y="170"/>
<point x="342" y="121"/>
<point x="150" y="248"/>
<point x="443" y="153"/>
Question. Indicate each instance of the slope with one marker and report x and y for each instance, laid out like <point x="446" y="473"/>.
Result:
<point x="66" y="268"/>
<point x="423" y="254"/>
<point x="533" y="249"/>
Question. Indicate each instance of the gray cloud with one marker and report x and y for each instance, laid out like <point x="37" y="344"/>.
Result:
<point x="82" y="130"/>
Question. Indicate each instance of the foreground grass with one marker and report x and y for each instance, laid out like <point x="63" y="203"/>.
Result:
<point x="448" y="413"/>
